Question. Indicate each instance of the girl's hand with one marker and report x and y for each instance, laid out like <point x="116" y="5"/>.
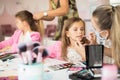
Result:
<point x="6" y="49"/>
<point x="80" y="49"/>
<point x="85" y="41"/>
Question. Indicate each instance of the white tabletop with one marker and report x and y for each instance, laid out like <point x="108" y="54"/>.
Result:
<point x="10" y="68"/>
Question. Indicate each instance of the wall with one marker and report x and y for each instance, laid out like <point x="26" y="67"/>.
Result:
<point x="115" y="2"/>
<point x="85" y="8"/>
<point x="13" y="6"/>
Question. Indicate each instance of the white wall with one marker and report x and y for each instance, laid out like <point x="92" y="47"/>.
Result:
<point x="8" y="8"/>
<point x="85" y="9"/>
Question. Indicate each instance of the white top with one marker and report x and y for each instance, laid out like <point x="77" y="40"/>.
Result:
<point x="25" y="38"/>
<point x="73" y="56"/>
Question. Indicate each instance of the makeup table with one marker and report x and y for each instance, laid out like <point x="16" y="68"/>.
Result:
<point x="9" y="70"/>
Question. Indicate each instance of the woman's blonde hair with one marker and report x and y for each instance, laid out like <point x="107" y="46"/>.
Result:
<point x="115" y="34"/>
<point x="108" y="18"/>
<point x="65" y="40"/>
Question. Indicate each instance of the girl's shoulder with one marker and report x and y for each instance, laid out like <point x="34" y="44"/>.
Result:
<point x="17" y="32"/>
<point x="35" y="33"/>
<point x="35" y="36"/>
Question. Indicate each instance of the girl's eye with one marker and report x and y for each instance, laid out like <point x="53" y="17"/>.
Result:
<point x="82" y="29"/>
<point x="75" y="29"/>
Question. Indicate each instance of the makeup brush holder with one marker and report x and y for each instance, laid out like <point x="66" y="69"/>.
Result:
<point x="30" y="72"/>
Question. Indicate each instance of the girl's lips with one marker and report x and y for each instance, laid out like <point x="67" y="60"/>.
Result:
<point x="80" y="36"/>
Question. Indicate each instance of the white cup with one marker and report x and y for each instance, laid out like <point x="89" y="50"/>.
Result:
<point x="30" y="72"/>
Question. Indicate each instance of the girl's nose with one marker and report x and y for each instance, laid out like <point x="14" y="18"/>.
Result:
<point x="79" y="31"/>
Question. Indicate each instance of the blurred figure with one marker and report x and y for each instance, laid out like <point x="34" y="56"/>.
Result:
<point x="27" y="28"/>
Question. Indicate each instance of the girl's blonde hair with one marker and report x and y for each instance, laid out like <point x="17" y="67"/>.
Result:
<point x="108" y="18"/>
<point x="40" y="28"/>
<point x="65" y="40"/>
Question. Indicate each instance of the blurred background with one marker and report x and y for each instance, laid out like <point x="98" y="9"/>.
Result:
<point x="8" y="9"/>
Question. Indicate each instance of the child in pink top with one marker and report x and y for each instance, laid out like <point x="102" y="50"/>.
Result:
<point x="25" y="23"/>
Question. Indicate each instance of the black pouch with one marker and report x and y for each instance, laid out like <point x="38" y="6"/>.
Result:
<point x="5" y="57"/>
<point x="84" y="74"/>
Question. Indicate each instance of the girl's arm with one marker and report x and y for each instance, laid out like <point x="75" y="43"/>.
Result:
<point x="48" y="18"/>
<point x="9" y="41"/>
<point x="5" y="49"/>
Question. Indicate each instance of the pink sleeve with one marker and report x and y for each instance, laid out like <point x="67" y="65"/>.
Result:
<point x="54" y="50"/>
<point x="8" y="42"/>
<point x="36" y="36"/>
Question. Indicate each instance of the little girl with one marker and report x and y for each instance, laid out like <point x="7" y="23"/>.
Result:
<point x="70" y="48"/>
<point x="25" y="24"/>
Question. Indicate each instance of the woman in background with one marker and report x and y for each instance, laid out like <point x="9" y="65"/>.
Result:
<point x="64" y="9"/>
<point x="26" y="28"/>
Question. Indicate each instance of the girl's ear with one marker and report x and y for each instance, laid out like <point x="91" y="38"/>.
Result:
<point x="24" y="22"/>
<point x="67" y="33"/>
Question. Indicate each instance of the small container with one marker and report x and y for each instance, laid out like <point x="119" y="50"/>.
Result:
<point x="30" y="72"/>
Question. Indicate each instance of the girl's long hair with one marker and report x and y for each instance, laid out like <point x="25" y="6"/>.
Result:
<point x="65" y="40"/>
<point x="28" y="17"/>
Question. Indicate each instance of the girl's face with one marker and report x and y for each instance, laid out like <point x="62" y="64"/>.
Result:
<point x="19" y="24"/>
<point x="76" y="31"/>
